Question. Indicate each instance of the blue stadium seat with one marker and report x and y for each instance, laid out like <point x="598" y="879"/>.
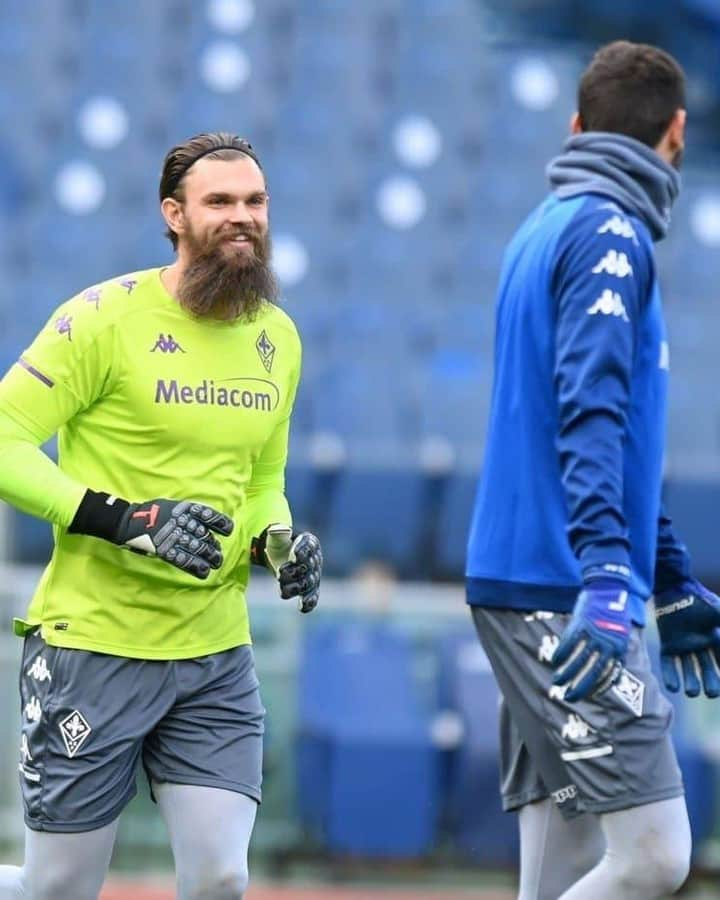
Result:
<point x="366" y="769"/>
<point x="479" y="827"/>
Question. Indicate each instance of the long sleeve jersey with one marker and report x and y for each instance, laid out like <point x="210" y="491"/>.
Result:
<point x="574" y="453"/>
<point x="148" y="401"/>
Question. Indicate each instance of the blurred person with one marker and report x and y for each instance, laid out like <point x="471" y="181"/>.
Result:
<point x="175" y="382"/>
<point x="568" y="537"/>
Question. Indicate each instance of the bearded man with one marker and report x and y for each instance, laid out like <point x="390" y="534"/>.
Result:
<point x="177" y="384"/>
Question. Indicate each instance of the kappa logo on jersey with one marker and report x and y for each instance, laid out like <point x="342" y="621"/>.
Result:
<point x="33" y="710"/>
<point x="548" y="646"/>
<point x="266" y="349"/>
<point x="74" y="730"/>
<point x="563" y="794"/>
<point x="631" y="691"/>
<point x="129" y="284"/>
<point x="619" y="227"/>
<point x="63" y="325"/>
<point x="576" y="730"/>
<point x="92" y="295"/>
<point x="609" y="303"/>
<point x="166" y="344"/>
<point x="614" y="263"/>
<point x="39" y="670"/>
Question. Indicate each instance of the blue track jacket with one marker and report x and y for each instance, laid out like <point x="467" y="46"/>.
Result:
<point x="574" y="453"/>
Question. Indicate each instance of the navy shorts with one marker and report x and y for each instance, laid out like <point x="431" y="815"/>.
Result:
<point x="597" y="755"/>
<point x="88" y="719"/>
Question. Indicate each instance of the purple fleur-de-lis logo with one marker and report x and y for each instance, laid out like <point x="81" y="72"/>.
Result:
<point x="265" y="349"/>
<point x="92" y="295"/>
<point x="63" y="325"/>
<point x="129" y="284"/>
<point x="166" y="344"/>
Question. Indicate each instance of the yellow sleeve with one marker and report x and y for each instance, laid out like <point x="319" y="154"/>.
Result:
<point x="267" y="503"/>
<point x="66" y="368"/>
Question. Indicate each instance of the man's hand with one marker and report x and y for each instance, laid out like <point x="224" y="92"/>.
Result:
<point x="180" y="532"/>
<point x="296" y="560"/>
<point x="688" y="619"/>
<point x="592" y="649"/>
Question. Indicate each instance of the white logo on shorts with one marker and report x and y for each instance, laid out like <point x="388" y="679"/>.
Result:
<point x="547" y="647"/>
<point x="33" y="710"/>
<point x="563" y="794"/>
<point x="25" y="749"/>
<point x="540" y="615"/>
<point x="576" y="729"/>
<point x="75" y="730"/>
<point x="631" y="691"/>
<point x="39" y="670"/>
<point x="558" y="691"/>
<point x="25" y="770"/>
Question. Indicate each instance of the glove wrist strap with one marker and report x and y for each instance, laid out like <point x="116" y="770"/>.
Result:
<point x="99" y="515"/>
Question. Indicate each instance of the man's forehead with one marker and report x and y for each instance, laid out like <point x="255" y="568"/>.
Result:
<point x="227" y="176"/>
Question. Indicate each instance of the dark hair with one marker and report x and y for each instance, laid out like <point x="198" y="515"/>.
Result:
<point x="631" y="89"/>
<point x="179" y="160"/>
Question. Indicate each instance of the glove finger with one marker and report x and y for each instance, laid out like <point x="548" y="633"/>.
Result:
<point x="213" y="518"/>
<point x="691" y="674"/>
<point x="587" y="678"/>
<point x="710" y="674"/>
<point x="188" y="562"/>
<point x="671" y="676"/>
<point x="608" y="676"/>
<point x="568" y="658"/>
<point x="308" y="602"/>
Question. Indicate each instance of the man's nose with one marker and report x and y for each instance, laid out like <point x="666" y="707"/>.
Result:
<point x="240" y="213"/>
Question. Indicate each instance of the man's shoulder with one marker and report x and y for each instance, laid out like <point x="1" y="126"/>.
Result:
<point x="602" y="216"/>
<point x="95" y="308"/>
<point x="276" y="317"/>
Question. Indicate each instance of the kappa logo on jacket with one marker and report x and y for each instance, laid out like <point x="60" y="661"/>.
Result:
<point x="614" y="263"/>
<point x="609" y="303"/>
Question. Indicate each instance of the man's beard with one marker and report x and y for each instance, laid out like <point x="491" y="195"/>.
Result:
<point x="220" y="285"/>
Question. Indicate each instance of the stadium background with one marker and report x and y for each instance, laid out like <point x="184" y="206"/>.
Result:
<point x="403" y="140"/>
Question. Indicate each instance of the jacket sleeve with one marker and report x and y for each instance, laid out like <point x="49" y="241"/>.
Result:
<point x="601" y="284"/>
<point x="672" y="561"/>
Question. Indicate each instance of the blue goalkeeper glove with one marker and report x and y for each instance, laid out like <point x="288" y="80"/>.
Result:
<point x="688" y="619"/>
<point x="592" y="649"/>
<point x="296" y="561"/>
<point x="177" y="531"/>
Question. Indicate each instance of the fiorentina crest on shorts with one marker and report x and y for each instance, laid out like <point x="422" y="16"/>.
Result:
<point x="631" y="691"/>
<point x="74" y="730"/>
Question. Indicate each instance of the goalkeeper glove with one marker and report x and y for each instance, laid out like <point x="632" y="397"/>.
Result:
<point x="592" y="649"/>
<point x="296" y="561"/>
<point x="176" y="531"/>
<point x="688" y="619"/>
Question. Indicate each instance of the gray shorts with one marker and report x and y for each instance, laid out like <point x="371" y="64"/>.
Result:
<point x="602" y="755"/>
<point x="89" y="718"/>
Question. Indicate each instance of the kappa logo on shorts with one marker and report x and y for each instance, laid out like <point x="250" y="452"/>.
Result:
<point x="33" y="710"/>
<point x="563" y="794"/>
<point x="39" y="670"/>
<point x="547" y="647"/>
<point x="576" y="730"/>
<point x="74" y="730"/>
<point x="631" y="691"/>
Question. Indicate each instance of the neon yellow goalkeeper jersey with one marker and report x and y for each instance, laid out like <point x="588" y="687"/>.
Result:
<point x="149" y="401"/>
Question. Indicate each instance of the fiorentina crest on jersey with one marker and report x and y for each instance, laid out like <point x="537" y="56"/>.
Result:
<point x="266" y="350"/>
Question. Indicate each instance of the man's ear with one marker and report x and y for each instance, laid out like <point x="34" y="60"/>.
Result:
<point x="172" y="212"/>
<point x="576" y="124"/>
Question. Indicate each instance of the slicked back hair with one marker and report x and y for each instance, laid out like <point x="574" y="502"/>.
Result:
<point x="631" y="89"/>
